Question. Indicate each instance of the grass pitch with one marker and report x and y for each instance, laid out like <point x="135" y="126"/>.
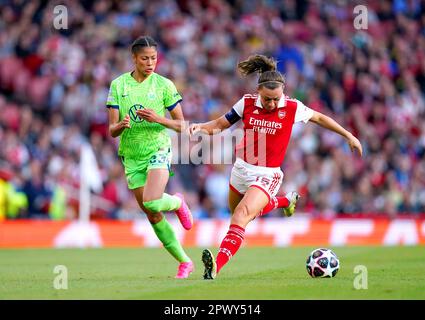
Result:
<point x="254" y="273"/>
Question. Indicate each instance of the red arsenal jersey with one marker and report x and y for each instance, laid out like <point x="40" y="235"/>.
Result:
<point x="267" y="133"/>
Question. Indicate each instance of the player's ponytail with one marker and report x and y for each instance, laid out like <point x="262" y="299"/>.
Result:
<point x="257" y="63"/>
<point x="266" y="67"/>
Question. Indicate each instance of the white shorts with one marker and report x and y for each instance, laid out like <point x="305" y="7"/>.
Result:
<point x="245" y="175"/>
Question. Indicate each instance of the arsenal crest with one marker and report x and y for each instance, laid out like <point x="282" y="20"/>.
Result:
<point x="281" y="114"/>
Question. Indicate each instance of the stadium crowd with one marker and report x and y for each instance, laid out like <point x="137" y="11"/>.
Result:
<point x="54" y="84"/>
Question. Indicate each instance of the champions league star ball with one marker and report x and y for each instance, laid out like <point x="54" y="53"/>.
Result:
<point x="322" y="263"/>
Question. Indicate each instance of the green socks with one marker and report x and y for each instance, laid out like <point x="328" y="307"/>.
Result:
<point x="163" y="230"/>
<point x="165" y="233"/>
<point x="166" y="203"/>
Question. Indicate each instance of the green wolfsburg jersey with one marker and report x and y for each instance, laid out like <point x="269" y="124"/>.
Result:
<point x="127" y="95"/>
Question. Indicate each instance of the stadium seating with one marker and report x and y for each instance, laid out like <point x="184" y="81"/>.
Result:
<point x="54" y="85"/>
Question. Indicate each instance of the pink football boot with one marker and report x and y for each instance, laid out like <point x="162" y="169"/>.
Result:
<point x="184" y="214"/>
<point x="185" y="269"/>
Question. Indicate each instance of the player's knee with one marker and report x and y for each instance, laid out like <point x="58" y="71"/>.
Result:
<point x="153" y="205"/>
<point x="241" y="214"/>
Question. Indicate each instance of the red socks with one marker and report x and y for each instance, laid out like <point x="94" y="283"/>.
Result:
<point x="275" y="202"/>
<point x="230" y="245"/>
<point x="235" y="236"/>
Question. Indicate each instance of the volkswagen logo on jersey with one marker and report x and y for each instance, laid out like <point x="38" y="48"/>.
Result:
<point x="132" y="113"/>
<point x="281" y="114"/>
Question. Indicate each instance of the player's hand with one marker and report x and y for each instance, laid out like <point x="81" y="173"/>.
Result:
<point x="193" y="128"/>
<point x="148" y="115"/>
<point x="355" y="144"/>
<point x="126" y="122"/>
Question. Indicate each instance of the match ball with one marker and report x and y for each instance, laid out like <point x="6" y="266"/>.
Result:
<point x="322" y="263"/>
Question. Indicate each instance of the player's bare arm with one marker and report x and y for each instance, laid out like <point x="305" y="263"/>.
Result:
<point x="176" y="123"/>
<point x="116" y="127"/>
<point x="211" y="127"/>
<point x="328" y="123"/>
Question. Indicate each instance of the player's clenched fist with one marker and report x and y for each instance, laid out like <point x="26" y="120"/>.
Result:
<point x="148" y="115"/>
<point x="126" y="122"/>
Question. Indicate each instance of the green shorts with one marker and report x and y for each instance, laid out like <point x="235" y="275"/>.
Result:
<point x="136" y="170"/>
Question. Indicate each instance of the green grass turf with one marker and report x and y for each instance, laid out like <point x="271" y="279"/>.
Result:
<point x="254" y="273"/>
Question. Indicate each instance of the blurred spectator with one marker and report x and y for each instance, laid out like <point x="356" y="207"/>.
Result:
<point x="13" y="202"/>
<point x="38" y="193"/>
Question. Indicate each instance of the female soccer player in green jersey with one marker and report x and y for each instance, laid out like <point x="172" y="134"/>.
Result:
<point x="137" y="102"/>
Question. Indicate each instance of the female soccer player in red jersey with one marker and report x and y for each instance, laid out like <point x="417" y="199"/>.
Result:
<point x="256" y="176"/>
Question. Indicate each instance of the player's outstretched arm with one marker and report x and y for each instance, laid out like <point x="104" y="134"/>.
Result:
<point x="176" y="123"/>
<point x="329" y="123"/>
<point x="211" y="127"/>
<point x="116" y="127"/>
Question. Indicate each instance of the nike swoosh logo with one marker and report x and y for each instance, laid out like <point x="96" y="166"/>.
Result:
<point x="124" y="95"/>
